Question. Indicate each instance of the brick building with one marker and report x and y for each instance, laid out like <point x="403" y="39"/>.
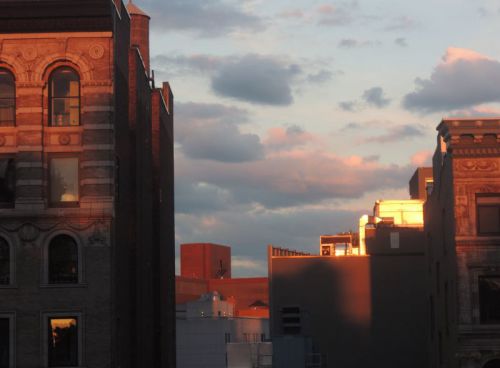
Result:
<point x="86" y="189"/>
<point x="462" y="225"/>
<point x="206" y="267"/>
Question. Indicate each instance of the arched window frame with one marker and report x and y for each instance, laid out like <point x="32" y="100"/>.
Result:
<point x="46" y="260"/>
<point x="12" y="262"/>
<point x="3" y="69"/>
<point x="52" y="120"/>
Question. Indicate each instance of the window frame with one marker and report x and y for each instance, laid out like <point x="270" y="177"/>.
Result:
<point x="3" y="68"/>
<point x="51" y="97"/>
<point x="80" y="323"/>
<point x="478" y="278"/>
<point x="60" y="204"/>
<point x="11" y="316"/>
<point x="490" y="205"/>
<point x="12" y="263"/>
<point x="45" y="277"/>
<point x="13" y="202"/>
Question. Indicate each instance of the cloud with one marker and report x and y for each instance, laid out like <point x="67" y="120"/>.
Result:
<point x="401" y="42"/>
<point x="350" y="106"/>
<point x="256" y="79"/>
<point x="280" y="138"/>
<point x="341" y="14"/>
<point x="321" y="76"/>
<point x="211" y="132"/>
<point x="422" y="158"/>
<point x="351" y="43"/>
<point x="249" y="264"/>
<point x="208" y="18"/>
<point x="182" y="64"/>
<point x="476" y="111"/>
<point x="294" y="177"/>
<point x="293" y="13"/>
<point x="463" y="79"/>
<point x="401" y="23"/>
<point x="375" y="97"/>
<point x="399" y="133"/>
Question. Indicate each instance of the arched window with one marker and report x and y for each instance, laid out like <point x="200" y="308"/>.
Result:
<point x="7" y="98"/>
<point x="4" y="262"/>
<point x="63" y="260"/>
<point x="64" y="95"/>
<point x="7" y="182"/>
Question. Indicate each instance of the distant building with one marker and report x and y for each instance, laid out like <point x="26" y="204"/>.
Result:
<point x="86" y="189"/>
<point x="205" y="329"/>
<point x="206" y="267"/>
<point x="366" y="309"/>
<point x="421" y="183"/>
<point x="462" y="226"/>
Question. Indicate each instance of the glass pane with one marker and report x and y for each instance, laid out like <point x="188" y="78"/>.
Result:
<point x="7" y="111"/>
<point x="7" y="85"/>
<point x="4" y="262"/>
<point x="63" y="260"/>
<point x="4" y="343"/>
<point x="488" y="219"/>
<point x="64" y="180"/>
<point x="65" y="83"/>
<point x="489" y="299"/>
<point x="7" y="181"/>
<point x="65" y="111"/>
<point x="63" y="342"/>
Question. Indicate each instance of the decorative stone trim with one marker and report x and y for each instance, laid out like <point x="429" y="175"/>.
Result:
<point x="104" y="108"/>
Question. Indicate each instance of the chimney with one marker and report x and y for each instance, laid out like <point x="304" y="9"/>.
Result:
<point x="139" y="32"/>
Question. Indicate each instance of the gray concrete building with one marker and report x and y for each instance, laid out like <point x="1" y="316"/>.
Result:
<point x="86" y="189"/>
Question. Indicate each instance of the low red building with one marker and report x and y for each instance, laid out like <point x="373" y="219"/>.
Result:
<point x="206" y="267"/>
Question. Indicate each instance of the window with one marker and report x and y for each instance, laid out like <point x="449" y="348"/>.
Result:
<point x="7" y="341"/>
<point x="63" y="260"/>
<point x="64" y="97"/>
<point x="488" y="215"/>
<point x="489" y="299"/>
<point x="64" y="181"/>
<point x="62" y="339"/>
<point x="7" y="98"/>
<point x="4" y="262"/>
<point x="7" y="182"/>
<point x="290" y="319"/>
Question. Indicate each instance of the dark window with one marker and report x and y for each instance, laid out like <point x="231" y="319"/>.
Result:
<point x="4" y="262"/>
<point x="7" y="182"/>
<point x="64" y="181"/>
<point x="291" y="320"/>
<point x="7" y="98"/>
<point x="489" y="299"/>
<point x="488" y="215"/>
<point x="4" y="343"/>
<point x="63" y="342"/>
<point x="63" y="260"/>
<point x="64" y="97"/>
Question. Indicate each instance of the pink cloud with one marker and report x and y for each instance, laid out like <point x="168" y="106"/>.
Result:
<point x="454" y="54"/>
<point x="326" y="9"/>
<point x="422" y="158"/>
<point x="279" y="138"/>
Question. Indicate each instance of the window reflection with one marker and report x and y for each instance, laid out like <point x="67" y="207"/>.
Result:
<point x="64" y="183"/>
<point x="4" y="262"/>
<point x="63" y="260"/>
<point x="65" y="97"/>
<point x="7" y="98"/>
<point x="63" y="342"/>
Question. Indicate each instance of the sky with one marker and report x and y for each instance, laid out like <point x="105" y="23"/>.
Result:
<point x="293" y="117"/>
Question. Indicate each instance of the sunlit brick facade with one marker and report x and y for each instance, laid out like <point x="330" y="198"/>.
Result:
<point x="462" y="226"/>
<point x="86" y="190"/>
